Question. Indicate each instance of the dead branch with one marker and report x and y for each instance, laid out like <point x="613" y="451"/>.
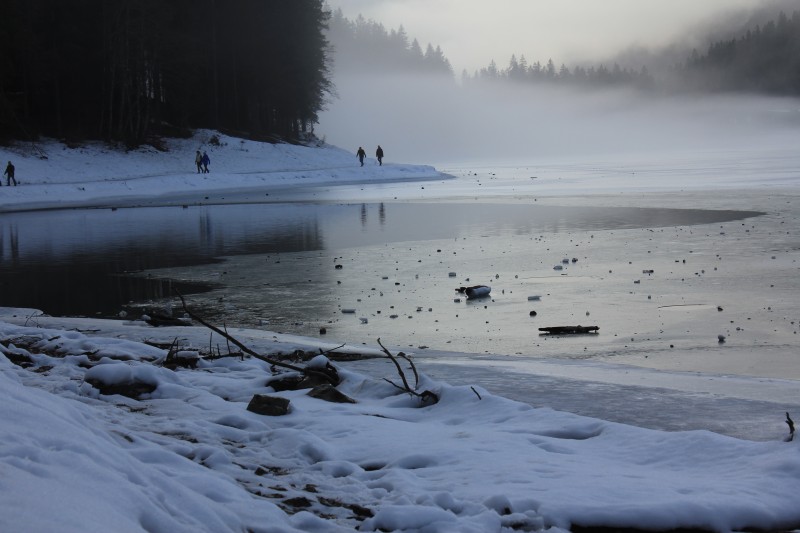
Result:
<point x="402" y="374"/>
<point x="413" y="368"/>
<point x="426" y="396"/>
<point x="274" y="362"/>
<point x="328" y="352"/>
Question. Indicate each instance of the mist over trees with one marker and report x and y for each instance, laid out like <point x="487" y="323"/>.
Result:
<point x="518" y="70"/>
<point x="128" y="70"/>
<point x="765" y="59"/>
<point x="366" y="46"/>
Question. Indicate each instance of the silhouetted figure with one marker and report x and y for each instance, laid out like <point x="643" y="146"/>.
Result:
<point x="205" y="160"/>
<point x="198" y="160"/>
<point x="379" y="155"/>
<point x="10" y="174"/>
<point x="361" y="154"/>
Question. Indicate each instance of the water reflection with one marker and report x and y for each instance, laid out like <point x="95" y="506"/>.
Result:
<point x="74" y="262"/>
<point x="11" y="236"/>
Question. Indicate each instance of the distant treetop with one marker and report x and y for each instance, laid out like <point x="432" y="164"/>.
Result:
<point x="363" y="45"/>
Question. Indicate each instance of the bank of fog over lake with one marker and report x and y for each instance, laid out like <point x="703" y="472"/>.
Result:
<point x="432" y="119"/>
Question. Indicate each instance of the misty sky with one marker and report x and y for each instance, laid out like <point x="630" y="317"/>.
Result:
<point x="473" y="32"/>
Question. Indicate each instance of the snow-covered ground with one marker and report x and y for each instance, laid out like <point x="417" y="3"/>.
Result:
<point x="185" y="454"/>
<point x="188" y="456"/>
<point x="53" y="176"/>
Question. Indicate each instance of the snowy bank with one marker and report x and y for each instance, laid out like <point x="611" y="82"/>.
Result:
<point x="187" y="455"/>
<point x="52" y="175"/>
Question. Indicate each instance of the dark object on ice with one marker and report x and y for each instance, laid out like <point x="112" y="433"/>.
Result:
<point x="533" y="313"/>
<point x="476" y="291"/>
<point x="790" y="423"/>
<point x="268" y="405"/>
<point x="338" y="267"/>
<point x="569" y="330"/>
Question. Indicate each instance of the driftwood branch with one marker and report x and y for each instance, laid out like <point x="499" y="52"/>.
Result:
<point x="790" y="423"/>
<point x="402" y="374"/>
<point x="248" y="351"/>
<point x="328" y="352"/>
<point x="569" y="330"/>
<point x="413" y="368"/>
<point x="426" y="396"/>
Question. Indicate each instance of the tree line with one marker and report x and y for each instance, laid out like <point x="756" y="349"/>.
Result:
<point x="519" y="70"/>
<point x="765" y="59"/>
<point x="129" y="70"/>
<point x="363" y="45"/>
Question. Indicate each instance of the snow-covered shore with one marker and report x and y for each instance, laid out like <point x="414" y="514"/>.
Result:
<point x="53" y="176"/>
<point x="185" y="454"/>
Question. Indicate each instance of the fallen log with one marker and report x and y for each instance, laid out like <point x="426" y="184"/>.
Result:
<point x="568" y="330"/>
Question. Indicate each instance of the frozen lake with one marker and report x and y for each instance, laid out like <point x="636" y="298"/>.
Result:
<point x="296" y="266"/>
<point x="662" y="275"/>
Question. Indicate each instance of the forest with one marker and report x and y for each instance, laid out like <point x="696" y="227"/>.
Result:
<point x="519" y="70"/>
<point x="764" y="59"/>
<point x="131" y="70"/>
<point x="363" y="45"/>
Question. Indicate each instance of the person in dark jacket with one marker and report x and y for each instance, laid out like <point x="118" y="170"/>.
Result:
<point x="379" y="155"/>
<point x="361" y="154"/>
<point x="10" y="174"/>
<point x="206" y="160"/>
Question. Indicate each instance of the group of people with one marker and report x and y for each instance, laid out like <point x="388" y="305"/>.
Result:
<point x="202" y="162"/>
<point x="9" y="173"/>
<point x="361" y="154"/>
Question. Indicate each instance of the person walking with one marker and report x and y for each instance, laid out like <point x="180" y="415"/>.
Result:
<point x="198" y="160"/>
<point x="379" y="155"/>
<point x="10" y="174"/>
<point x="361" y="154"/>
<point x="206" y="160"/>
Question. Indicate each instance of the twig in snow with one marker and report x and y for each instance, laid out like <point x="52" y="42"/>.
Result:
<point x="426" y="396"/>
<point x="274" y="362"/>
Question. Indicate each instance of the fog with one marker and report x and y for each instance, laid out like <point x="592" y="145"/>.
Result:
<point x="472" y="33"/>
<point x="418" y="119"/>
<point x="435" y="121"/>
